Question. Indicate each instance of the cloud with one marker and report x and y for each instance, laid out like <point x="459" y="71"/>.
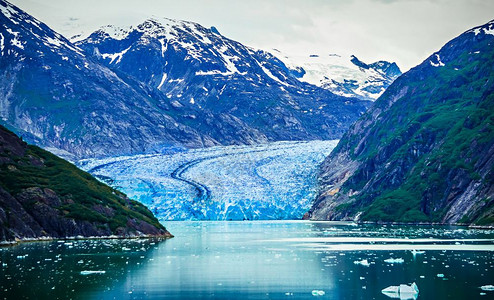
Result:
<point x="405" y="31"/>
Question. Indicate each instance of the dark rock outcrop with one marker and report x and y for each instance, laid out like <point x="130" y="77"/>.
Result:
<point x="43" y="196"/>
<point x="425" y="151"/>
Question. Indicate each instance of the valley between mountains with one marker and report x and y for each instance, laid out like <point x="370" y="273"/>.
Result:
<point x="197" y="126"/>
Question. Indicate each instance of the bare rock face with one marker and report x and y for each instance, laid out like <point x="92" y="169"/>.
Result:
<point x="424" y="152"/>
<point x="43" y="196"/>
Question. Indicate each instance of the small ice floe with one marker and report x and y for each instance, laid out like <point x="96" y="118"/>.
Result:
<point x="92" y="272"/>
<point x="394" y="260"/>
<point x="415" y="252"/>
<point x="318" y="293"/>
<point x="489" y="288"/>
<point x="402" y="291"/>
<point x="363" y="262"/>
<point x="440" y="275"/>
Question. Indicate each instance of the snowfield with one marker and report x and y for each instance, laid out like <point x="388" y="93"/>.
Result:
<point x="261" y="182"/>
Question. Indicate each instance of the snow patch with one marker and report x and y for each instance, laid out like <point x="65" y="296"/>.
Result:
<point x="162" y="81"/>
<point x="15" y="40"/>
<point x="439" y="62"/>
<point x="115" y="56"/>
<point x="2" y="46"/>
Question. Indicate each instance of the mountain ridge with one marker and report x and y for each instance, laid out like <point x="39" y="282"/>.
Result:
<point x="344" y="75"/>
<point x="96" y="103"/>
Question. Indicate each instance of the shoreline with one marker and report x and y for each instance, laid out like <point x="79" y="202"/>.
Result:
<point x="18" y="241"/>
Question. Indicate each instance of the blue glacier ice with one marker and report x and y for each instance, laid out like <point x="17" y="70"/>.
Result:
<point x="260" y="182"/>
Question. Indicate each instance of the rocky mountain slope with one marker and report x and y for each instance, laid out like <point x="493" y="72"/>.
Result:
<point x="425" y="151"/>
<point x="44" y="196"/>
<point x="156" y="85"/>
<point x="343" y="75"/>
<point x="225" y="90"/>
<point x="53" y="95"/>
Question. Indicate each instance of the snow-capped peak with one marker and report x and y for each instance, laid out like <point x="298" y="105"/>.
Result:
<point x="343" y="74"/>
<point x="19" y="29"/>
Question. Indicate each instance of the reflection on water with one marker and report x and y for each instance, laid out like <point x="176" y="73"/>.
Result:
<point x="258" y="260"/>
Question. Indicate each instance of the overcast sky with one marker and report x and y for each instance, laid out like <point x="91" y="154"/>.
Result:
<point x="404" y="31"/>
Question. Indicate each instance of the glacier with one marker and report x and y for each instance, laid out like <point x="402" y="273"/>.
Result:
<point x="256" y="182"/>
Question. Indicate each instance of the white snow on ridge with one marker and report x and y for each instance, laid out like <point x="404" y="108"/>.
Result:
<point x="331" y="70"/>
<point x="117" y="33"/>
<point x="486" y="29"/>
<point x="9" y="12"/>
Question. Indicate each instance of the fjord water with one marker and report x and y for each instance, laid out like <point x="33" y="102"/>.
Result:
<point x="256" y="260"/>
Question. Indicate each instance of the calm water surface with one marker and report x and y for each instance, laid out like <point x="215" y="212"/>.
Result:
<point x="256" y="260"/>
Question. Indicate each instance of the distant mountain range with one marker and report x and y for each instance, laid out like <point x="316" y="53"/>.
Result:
<point x="162" y="83"/>
<point x="343" y="75"/>
<point x="424" y="152"/>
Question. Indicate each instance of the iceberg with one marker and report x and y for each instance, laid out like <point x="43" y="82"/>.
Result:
<point x="92" y="272"/>
<point x="402" y="291"/>
<point x="363" y="262"/>
<point x="318" y="293"/>
<point x="415" y="252"/>
<point x="394" y="260"/>
<point x="488" y="287"/>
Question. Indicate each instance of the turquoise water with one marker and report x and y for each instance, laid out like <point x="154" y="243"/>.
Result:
<point x="256" y="260"/>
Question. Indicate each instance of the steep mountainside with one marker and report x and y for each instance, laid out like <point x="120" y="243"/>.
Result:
<point x="43" y="196"/>
<point x="425" y="150"/>
<point x="179" y="84"/>
<point x="56" y="97"/>
<point x="225" y="90"/>
<point x="343" y="75"/>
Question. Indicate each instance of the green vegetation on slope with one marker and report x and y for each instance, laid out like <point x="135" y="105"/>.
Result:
<point x="80" y="192"/>
<point x="422" y="152"/>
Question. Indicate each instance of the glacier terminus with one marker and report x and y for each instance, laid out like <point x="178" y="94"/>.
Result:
<point x="261" y="182"/>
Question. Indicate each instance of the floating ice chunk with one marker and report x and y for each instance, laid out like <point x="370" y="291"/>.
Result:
<point x="402" y="291"/>
<point x="318" y="293"/>
<point x="415" y="252"/>
<point x="362" y="262"/>
<point x="394" y="260"/>
<point x="92" y="272"/>
<point x="488" y="287"/>
<point x="440" y="275"/>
